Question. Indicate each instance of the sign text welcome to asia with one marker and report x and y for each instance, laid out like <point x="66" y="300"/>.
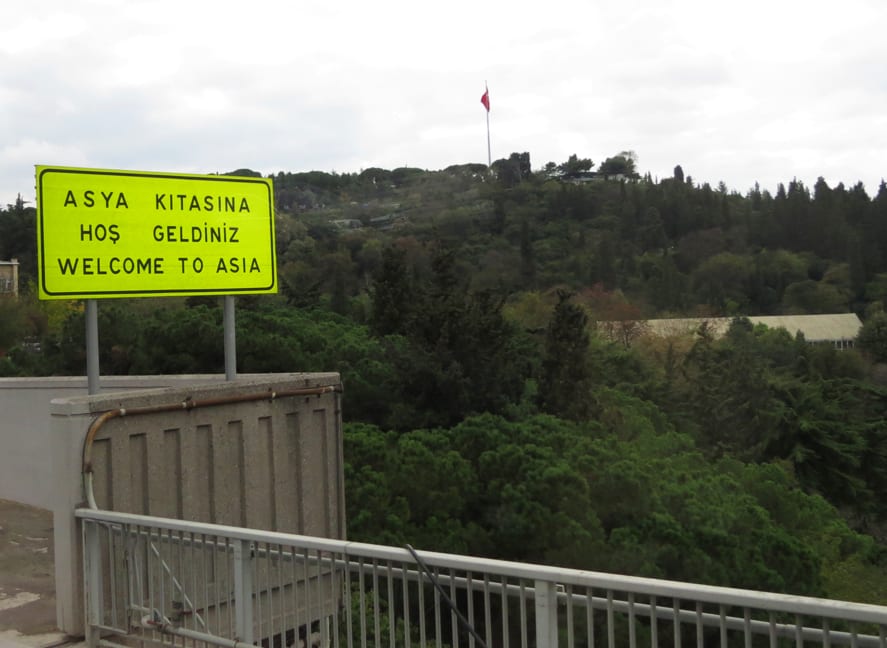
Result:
<point x="107" y="233"/>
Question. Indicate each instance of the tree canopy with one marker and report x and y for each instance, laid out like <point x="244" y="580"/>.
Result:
<point x="502" y="396"/>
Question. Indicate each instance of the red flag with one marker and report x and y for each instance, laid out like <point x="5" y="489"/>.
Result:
<point x="485" y="99"/>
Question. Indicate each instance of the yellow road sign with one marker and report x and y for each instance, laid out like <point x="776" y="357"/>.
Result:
<point x="106" y="233"/>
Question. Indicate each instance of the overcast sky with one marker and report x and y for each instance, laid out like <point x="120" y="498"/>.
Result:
<point x="747" y="91"/>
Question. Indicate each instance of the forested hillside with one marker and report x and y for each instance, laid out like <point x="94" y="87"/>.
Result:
<point x="487" y="412"/>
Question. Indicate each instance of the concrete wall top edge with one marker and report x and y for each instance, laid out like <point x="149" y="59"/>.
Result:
<point x="135" y="394"/>
<point x="43" y="383"/>
<point x="113" y="382"/>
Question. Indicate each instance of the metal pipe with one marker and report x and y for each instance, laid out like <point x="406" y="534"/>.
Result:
<point x="187" y="404"/>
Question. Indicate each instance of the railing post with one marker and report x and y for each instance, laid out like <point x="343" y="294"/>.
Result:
<point x="546" y="614"/>
<point x="92" y="581"/>
<point x="243" y="590"/>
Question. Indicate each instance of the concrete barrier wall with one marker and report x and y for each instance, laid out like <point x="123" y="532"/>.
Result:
<point x="25" y="444"/>
<point x="240" y="458"/>
<point x="272" y="463"/>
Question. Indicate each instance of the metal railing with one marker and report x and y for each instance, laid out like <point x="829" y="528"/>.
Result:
<point x="174" y="582"/>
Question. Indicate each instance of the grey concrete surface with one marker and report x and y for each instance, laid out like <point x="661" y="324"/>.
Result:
<point x="27" y="588"/>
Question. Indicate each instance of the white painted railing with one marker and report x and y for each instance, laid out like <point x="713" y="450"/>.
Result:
<point x="176" y="582"/>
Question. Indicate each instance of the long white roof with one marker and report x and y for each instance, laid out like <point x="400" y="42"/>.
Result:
<point x="816" y="328"/>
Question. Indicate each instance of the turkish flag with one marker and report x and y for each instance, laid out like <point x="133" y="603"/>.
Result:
<point x="485" y="99"/>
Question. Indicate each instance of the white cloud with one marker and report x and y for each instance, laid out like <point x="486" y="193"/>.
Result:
<point x="754" y="91"/>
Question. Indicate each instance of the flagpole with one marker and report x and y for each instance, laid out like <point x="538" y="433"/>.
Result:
<point x="489" y="150"/>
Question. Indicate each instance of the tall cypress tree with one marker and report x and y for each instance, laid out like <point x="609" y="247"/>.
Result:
<point x="565" y="383"/>
<point x="392" y="294"/>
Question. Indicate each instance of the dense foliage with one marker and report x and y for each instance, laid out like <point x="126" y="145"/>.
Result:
<point x="638" y="500"/>
<point x="501" y="397"/>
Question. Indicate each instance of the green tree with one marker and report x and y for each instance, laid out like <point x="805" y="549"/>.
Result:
<point x="678" y="174"/>
<point x="603" y="263"/>
<point x="527" y="257"/>
<point x="12" y="323"/>
<point x="513" y="170"/>
<point x="824" y="447"/>
<point x="650" y="233"/>
<point x="392" y="294"/>
<point x="641" y="500"/>
<point x="183" y="340"/>
<point x="722" y="281"/>
<point x="463" y="356"/>
<point x="728" y="395"/>
<point x="810" y="296"/>
<point x="574" y="166"/>
<point x="774" y="270"/>
<point x="873" y="337"/>
<point x="856" y="264"/>
<point x="622" y="164"/>
<point x="566" y="379"/>
<point x="18" y="238"/>
<point x="665" y="284"/>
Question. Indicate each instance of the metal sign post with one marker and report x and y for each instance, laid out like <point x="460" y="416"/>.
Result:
<point x="230" y="340"/>
<point x="105" y="234"/>
<point x="92" y="347"/>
